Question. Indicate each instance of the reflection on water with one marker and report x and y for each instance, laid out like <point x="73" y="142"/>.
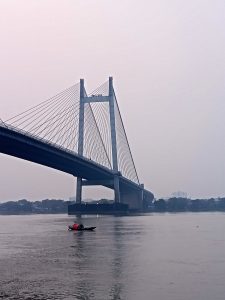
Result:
<point x="159" y="256"/>
<point x="100" y="264"/>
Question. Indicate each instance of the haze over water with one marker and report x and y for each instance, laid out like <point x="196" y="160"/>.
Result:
<point x="158" y="256"/>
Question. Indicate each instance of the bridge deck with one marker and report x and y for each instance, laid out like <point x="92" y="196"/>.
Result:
<point x="22" y="145"/>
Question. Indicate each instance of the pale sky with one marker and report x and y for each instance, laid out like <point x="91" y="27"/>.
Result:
<point x="168" y="63"/>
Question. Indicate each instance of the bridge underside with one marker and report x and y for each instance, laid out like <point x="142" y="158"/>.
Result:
<point x="31" y="149"/>
<point x="22" y="146"/>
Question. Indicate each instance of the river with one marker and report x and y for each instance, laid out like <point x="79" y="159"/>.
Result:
<point x="154" y="256"/>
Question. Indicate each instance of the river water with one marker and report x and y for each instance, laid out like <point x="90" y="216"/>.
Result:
<point x="157" y="256"/>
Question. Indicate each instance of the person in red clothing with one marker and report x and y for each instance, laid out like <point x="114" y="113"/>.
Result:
<point x="76" y="226"/>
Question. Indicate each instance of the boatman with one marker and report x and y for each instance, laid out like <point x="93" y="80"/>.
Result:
<point x="78" y="226"/>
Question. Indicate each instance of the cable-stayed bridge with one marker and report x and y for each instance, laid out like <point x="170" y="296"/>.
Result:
<point x="80" y="134"/>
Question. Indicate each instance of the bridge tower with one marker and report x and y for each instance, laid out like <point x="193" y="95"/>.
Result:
<point x="96" y="99"/>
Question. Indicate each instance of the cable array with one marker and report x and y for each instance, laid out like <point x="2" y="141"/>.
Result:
<point x="125" y="160"/>
<point x="101" y="113"/>
<point x="56" y="121"/>
<point x="94" y="147"/>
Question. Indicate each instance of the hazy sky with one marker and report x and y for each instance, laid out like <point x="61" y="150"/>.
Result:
<point x="168" y="63"/>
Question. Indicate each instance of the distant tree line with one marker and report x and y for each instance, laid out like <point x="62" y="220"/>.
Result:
<point x="175" y="204"/>
<point x="47" y="206"/>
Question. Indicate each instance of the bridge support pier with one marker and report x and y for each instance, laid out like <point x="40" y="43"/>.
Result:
<point x="79" y="190"/>
<point x="116" y="185"/>
<point x="133" y="198"/>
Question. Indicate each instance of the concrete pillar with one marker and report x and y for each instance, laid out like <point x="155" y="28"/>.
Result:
<point x="81" y="120"/>
<point x="116" y="189"/>
<point x="79" y="190"/>
<point x="134" y="198"/>
<point x="113" y="125"/>
<point x="113" y="140"/>
<point x="80" y="139"/>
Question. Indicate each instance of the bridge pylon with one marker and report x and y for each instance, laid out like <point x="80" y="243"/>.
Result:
<point x="110" y="99"/>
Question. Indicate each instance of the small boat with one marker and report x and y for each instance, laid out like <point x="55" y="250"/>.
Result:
<point x="79" y="227"/>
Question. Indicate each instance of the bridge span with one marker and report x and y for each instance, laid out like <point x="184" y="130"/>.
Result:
<point x="102" y="165"/>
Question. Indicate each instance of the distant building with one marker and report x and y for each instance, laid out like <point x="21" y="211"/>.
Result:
<point x="179" y="194"/>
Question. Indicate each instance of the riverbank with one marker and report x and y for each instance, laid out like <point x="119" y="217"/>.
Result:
<point x="57" y="206"/>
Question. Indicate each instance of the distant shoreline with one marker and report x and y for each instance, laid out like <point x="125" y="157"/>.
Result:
<point x="175" y="204"/>
<point x="25" y="207"/>
<point x="57" y="206"/>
